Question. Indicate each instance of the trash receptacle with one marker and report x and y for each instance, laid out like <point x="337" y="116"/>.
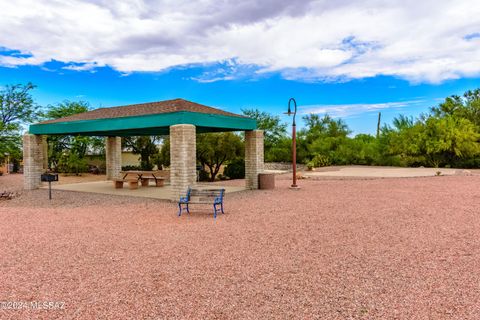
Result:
<point x="266" y="181"/>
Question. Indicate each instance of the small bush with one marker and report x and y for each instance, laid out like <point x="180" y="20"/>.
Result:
<point x="145" y="165"/>
<point x="320" y="160"/>
<point x="203" y="175"/>
<point x="310" y="165"/>
<point x="235" y="169"/>
<point x="72" y="163"/>
<point x="129" y="168"/>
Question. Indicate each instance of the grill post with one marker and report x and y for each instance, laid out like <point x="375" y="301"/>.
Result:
<point x="49" y="177"/>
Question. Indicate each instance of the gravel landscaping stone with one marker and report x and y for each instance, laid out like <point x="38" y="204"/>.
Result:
<point x="401" y="248"/>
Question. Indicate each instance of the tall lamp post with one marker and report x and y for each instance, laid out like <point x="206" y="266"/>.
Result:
<point x="294" y="142"/>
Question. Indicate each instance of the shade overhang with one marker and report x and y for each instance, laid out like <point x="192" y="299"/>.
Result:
<point x="145" y="125"/>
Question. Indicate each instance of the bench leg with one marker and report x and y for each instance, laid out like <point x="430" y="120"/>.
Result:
<point x="180" y="208"/>
<point x="133" y="185"/>
<point x="214" y="211"/>
<point x="221" y="206"/>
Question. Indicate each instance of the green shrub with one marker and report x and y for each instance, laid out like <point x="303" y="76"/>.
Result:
<point x="129" y="168"/>
<point x="146" y="165"/>
<point x="203" y="175"/>
<point x="320" y="160"/>
<point x="72" y="163"/>
<point x="310" y="165"/>
<point x="235" y="169"/>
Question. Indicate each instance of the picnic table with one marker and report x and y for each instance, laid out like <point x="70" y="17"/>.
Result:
<point x="144" y="176"/>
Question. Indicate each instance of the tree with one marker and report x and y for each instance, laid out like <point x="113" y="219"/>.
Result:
<point x="273" y="127"/>
<point x="162" y="158"/>
<point x="467" y="106"/>
<point x="70" y="162"/>
<point x="402" y="122"/>
<point x="405" y="143"/>
<point x="362" y="150"/>
<point x="77" y="145"/>
<point x="66" y="108"/>
<point x="215" y="149"/>
<point x="449" y="138"/>
<point x="281" y="151"/>
<point x="321" y="136"/>
<point x="17" y="108"/>
<point x="275" y="133"/>
<point x="435" y="140"/>
<point x="144" y="146"/>
<point x="11" y="145"/>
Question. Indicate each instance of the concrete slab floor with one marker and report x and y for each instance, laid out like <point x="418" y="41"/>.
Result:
<point x="106" y="187"/>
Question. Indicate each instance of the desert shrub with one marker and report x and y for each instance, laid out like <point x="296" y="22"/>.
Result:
<point x="320" y="160"/>
<point x="72" y="163"/>
<point x="203" y="175"/>
<point x="467" y="163"/>
<point x="146" y="165"/>
<point x="130" y="167"/>
<point x="235" y="169"/>
<point x="310" y="165"/>
<point x="222" y="177"/>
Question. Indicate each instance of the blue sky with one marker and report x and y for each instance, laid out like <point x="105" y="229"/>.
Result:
<point x="350" y="59"/>
<point x="106" y="87"/>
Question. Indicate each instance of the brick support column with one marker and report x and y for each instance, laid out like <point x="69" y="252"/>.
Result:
<point x="113" y="151"/>
<point x="253" y="157"/>
<point x="45" y="153"/>
<point x="32" y="161"/>
<point x="182" y="158"/>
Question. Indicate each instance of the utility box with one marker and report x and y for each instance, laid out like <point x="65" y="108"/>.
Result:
<point x="266" y="181"/>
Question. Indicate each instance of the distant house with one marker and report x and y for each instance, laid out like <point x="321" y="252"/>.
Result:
<point x="130" y="159"/>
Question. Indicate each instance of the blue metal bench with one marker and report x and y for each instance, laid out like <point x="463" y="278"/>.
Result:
<point x="202" y="196"/>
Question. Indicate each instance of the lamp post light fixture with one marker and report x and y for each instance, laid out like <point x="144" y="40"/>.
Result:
<point x="294" y="142"/>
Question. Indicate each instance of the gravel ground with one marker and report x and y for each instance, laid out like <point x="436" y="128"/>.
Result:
<point x="336" y="249"/>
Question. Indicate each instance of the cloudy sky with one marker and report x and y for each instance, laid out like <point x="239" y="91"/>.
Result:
<point x="347" y="58"/>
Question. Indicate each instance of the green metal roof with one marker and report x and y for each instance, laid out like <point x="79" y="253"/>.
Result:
<point x="146" y="124"/>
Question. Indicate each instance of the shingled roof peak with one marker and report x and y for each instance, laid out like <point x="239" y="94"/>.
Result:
<point x="142" y="109"/>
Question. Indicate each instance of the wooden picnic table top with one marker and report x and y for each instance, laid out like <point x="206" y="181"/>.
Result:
<point x="140" y="171"/>
<point x="143" y="174"/>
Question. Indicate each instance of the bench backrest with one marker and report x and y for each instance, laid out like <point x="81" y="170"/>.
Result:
<point x="205" y="195"/>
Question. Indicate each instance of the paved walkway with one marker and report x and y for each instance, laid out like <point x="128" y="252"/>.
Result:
<point x="385" y="172"/>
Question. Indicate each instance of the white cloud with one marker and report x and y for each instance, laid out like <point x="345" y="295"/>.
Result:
<point x="90" y="66"/>
<point x="348" y="110"/>
<point x="422" y="41"/>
